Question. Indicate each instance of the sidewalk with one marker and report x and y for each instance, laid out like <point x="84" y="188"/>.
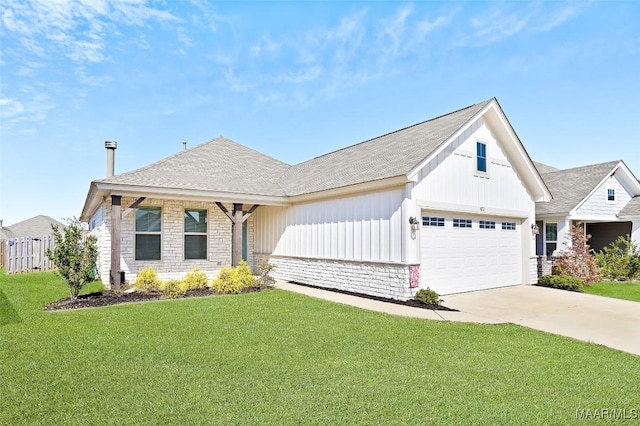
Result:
<point x="385" y="307"/>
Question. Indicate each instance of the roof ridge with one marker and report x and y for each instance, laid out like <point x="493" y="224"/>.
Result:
<point x="584" y="167"/>
<point x="397" y="131"/>
<point x="219" y="138"/>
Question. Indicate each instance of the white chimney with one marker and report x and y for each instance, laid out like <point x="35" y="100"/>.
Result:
<point x="111" y="151"/>
<point x="184" y="145"/>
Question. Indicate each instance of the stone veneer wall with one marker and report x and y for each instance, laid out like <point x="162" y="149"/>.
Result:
<point x="172" y="264"/>
<point x="382" y="279"/>
<point x="533" y="270"/>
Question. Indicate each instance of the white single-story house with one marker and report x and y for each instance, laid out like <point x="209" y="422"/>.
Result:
<point x="448" y="204"/>
<point x="605" y="197"/>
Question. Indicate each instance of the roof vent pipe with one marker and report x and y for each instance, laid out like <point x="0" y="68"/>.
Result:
<point x="111" y="150"/>
<point x="184" y="145"/>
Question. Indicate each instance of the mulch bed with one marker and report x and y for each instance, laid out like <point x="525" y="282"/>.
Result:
<point x="108" y="298"/>
<point x="412" y="303"/>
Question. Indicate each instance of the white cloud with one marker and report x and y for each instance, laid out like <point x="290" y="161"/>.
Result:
<point x="10" y="107"/>
<point x="503" y="23"/>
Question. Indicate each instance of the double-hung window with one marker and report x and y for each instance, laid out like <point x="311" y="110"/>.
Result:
<point x="195" y="234"/>
<point x="611" y="194"/>
<point x="148" y="233"/>
<point x="551" y="238"/>
<point x="481" y="157"/>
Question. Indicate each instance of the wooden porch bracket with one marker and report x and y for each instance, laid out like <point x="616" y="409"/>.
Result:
<point x="237" y="219"/>
<point x="133" y="205"/>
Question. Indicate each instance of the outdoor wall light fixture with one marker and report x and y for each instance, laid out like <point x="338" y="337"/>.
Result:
<point x="535" y="230"/>
<point x="415" y="224"/>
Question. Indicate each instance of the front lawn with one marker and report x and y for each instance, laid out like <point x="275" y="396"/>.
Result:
<point x="275" y="357"/>
<point x="619" y="290"/>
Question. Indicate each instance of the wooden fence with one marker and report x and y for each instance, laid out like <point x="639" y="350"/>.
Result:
<point x="27" y="254"/>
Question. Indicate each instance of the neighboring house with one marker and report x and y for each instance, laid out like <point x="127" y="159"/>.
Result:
<point x="448" y="203"/>
<point x="605" y="197"/>
<point x="36" y="226"/>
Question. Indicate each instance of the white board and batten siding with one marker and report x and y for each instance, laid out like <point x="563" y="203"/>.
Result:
<point x="364" y="227"/>
<point x="455" y="260"/>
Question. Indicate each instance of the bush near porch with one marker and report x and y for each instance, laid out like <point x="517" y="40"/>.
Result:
<point x="282" y="358"/>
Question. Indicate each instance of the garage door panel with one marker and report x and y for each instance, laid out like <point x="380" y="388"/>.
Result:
<point x="455" y="260"/>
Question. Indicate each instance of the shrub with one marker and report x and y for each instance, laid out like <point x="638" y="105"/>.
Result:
<point x="147" y="281"/>
<point x="577" y="260"/>
<point x="264" y="278"/>
<point x="173" y="289"/>
<point x="195" y="280"/>
<point x="428" y="297"/>
<point x="562" y="282"/>
<point x="233" y="280"/>
<point x="620" y="260"/>
<point x="74" y="256"/>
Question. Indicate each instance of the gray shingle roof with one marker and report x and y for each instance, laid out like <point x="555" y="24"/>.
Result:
<point x="569" y="187"/>
<point x="544" y="168"/>
<point x="226" y="166"/>
<point x="632" y="208"/>
<point x="217" y="165"/>
<point x="34" y="227"/>
<point x="390" y="155"/>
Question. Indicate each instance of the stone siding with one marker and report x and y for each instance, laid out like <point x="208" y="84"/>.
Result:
<point x="382" y="279"/>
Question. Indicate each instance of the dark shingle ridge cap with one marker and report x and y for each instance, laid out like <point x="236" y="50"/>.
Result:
<point x="398" y="130"/>
<point x="574" y="169"/>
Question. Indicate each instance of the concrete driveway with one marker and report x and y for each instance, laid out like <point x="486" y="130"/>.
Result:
<point x="602" y="320"/>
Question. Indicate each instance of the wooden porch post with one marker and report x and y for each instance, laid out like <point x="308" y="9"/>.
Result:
<point x="236" y="257"/>
<point x="114" y="275"/>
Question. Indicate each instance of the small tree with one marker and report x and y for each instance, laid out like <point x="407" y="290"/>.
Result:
<point x="74" y="256"/>
<point x="577" y="260"/>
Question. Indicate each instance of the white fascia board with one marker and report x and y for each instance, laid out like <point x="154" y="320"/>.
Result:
<point x="91" y="203"/>
<point x="374" y="185"/>
<point x="189" y="194"/>
<point x="471" y="209"/>
<point x="594" y="218"/>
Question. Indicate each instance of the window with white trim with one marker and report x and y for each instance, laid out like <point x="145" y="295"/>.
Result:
<point x="462" y="223"/>
<point x="148" y="233"/>
<point x="551" y="238"/>
<point x="508" y="226"/>
<point x="487" y="224"/>
<point x="481" y="157"/>
<point x="611" y="194"/>
<point x="432" y="221"/>
<point x="195" y="234"/>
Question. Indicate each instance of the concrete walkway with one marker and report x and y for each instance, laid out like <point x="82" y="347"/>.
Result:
<point x="601" y="320"/>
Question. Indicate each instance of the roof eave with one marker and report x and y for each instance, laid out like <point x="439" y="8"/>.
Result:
<point x="100" y="190"/>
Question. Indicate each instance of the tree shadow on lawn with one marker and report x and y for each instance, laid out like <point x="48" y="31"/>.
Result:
<point x="8" y="314"/>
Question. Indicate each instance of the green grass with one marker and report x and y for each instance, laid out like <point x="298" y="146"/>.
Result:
<point x="618" y="290"/>
<point x="281" y="358"/>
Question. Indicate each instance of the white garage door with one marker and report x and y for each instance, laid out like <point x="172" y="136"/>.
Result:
<point x="463" y="252"/>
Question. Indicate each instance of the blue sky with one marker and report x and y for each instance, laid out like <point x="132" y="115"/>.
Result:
<point x="298" y="79"/>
